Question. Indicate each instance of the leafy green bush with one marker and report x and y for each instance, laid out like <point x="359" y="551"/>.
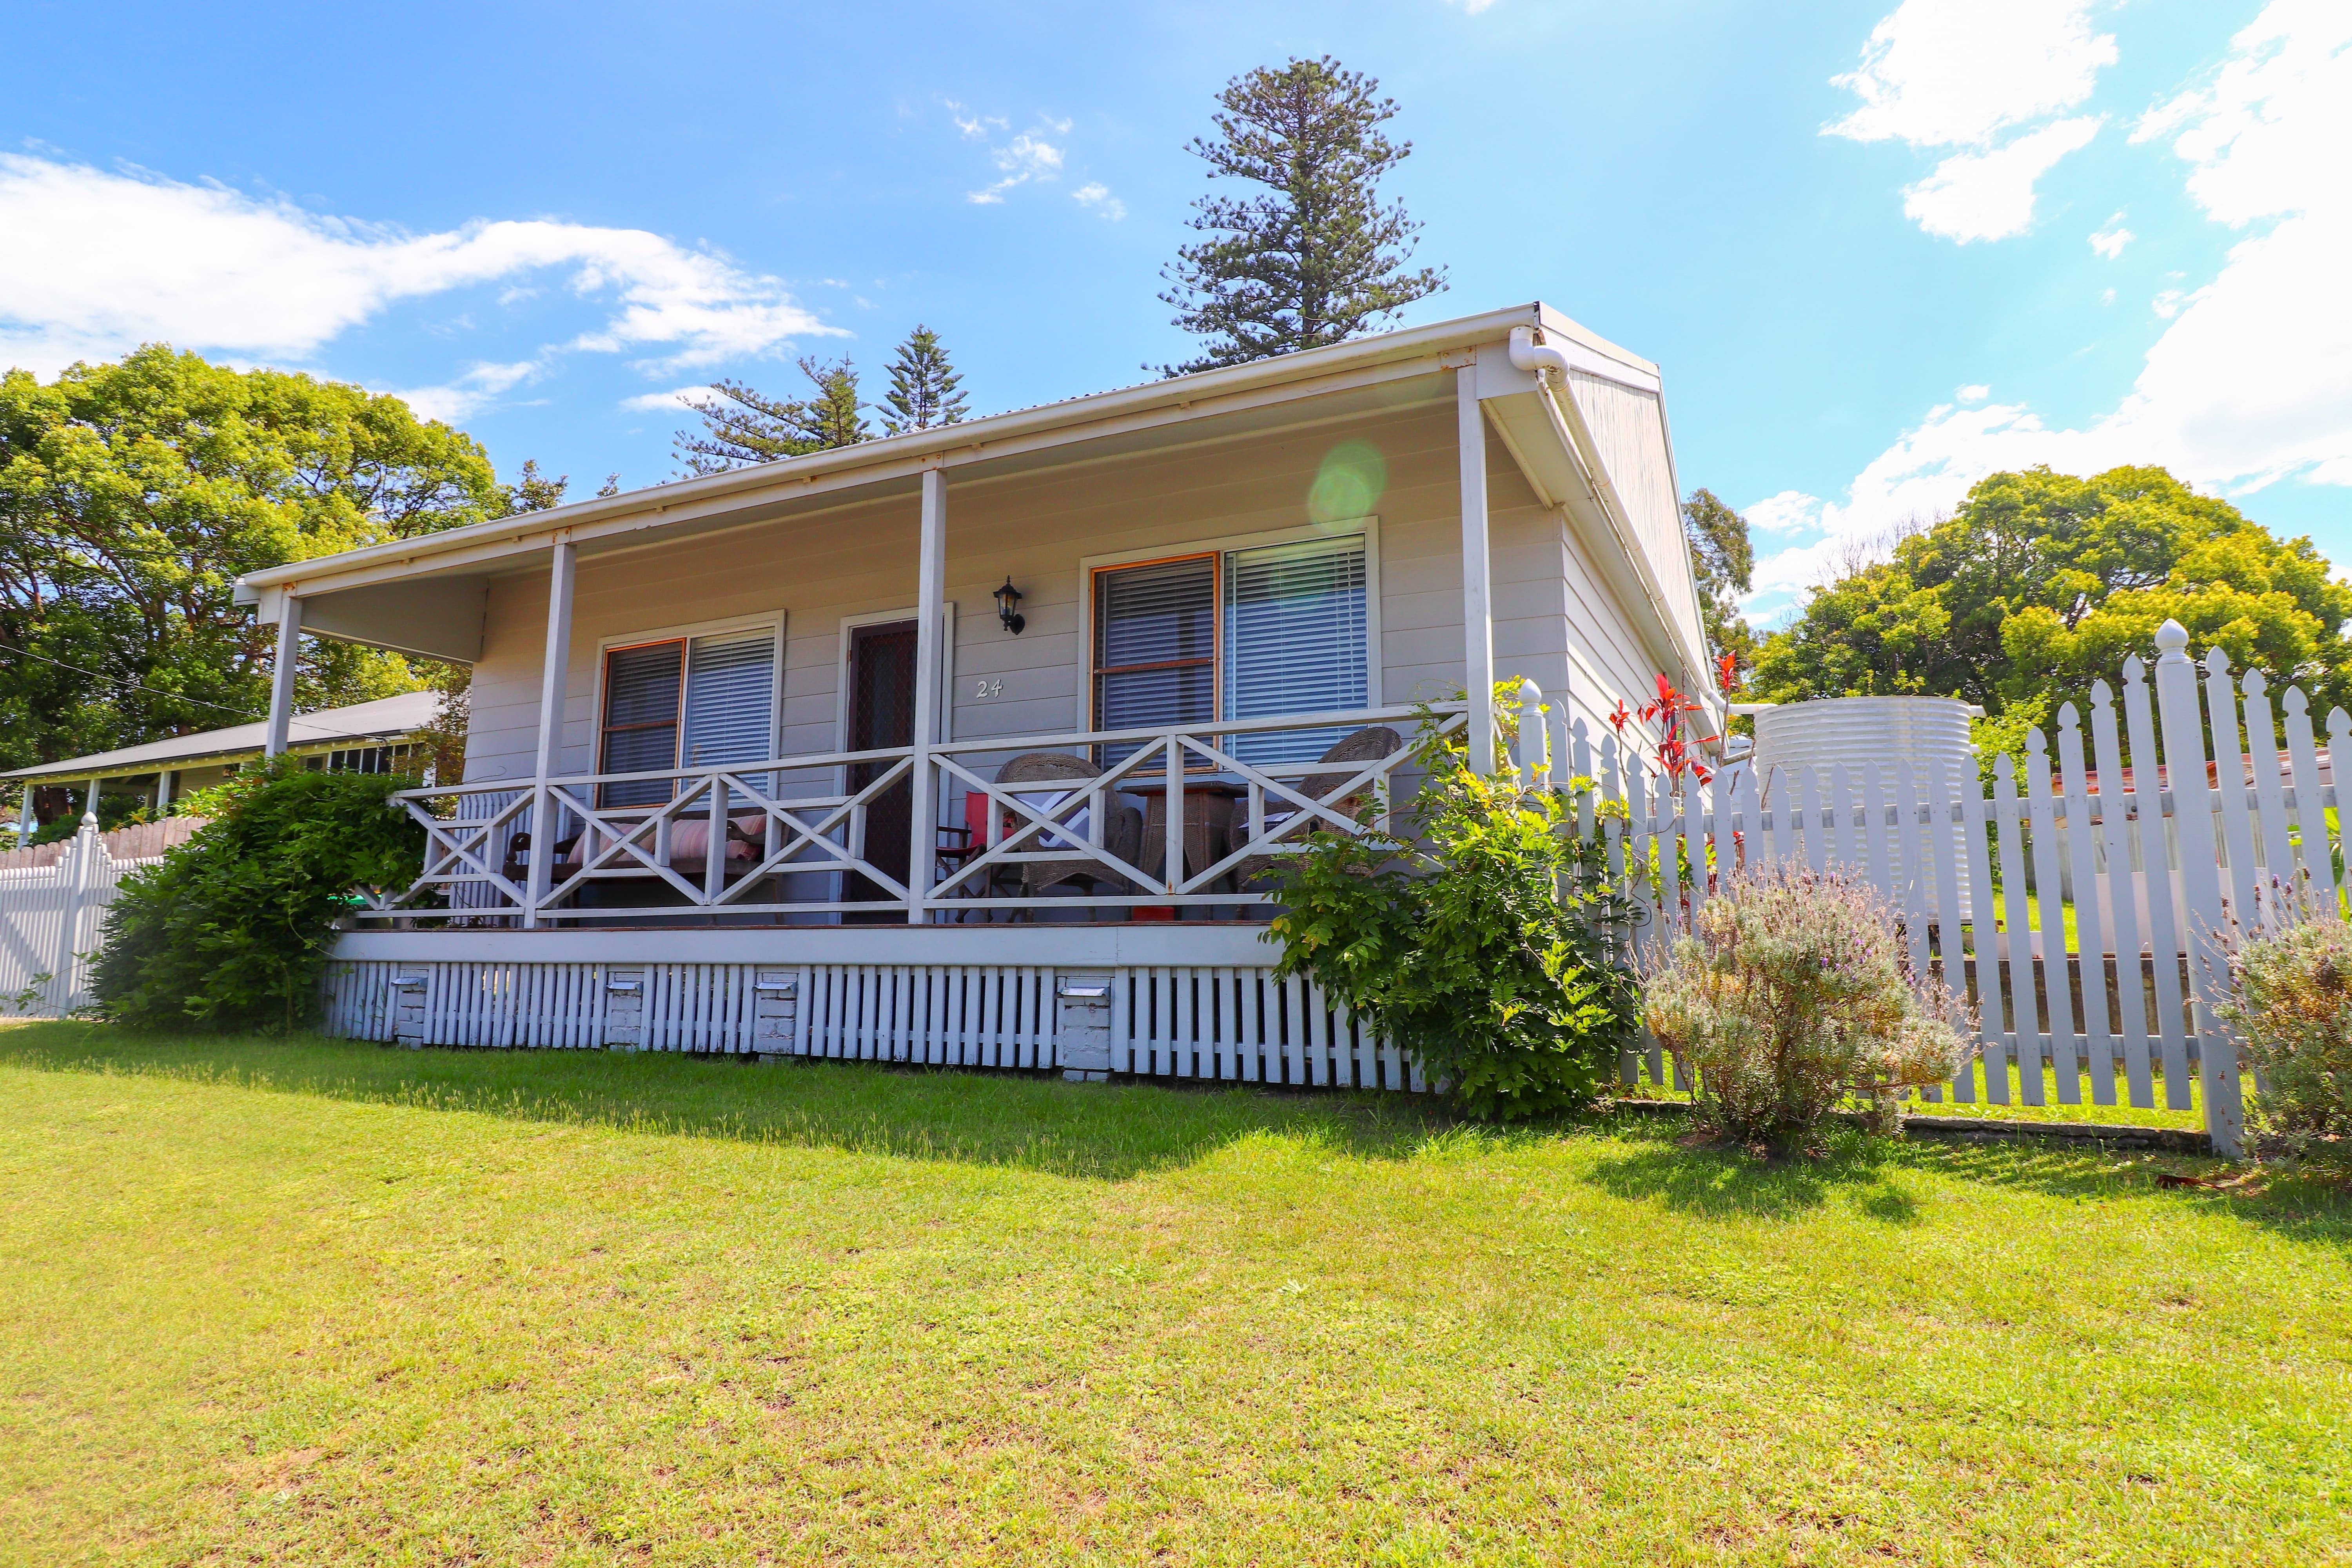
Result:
<point x="2289" y="1003"/>
<point x="230" y="932"/>
<point x="1476" y="945"/>
<point x="1794" y="991"/>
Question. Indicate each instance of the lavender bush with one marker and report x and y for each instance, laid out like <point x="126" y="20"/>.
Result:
<point x="2288" y="1001"/>
<point x="1794" y="991"/>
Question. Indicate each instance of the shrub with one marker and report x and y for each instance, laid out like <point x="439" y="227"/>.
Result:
<point x="1794" y="993"/>
<point x="228" y="932"/>
<point x="2288" y="1001"/>
<point x="1475" y="945"/>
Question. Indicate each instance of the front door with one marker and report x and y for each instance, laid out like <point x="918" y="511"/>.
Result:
<point x="881" y="713"/>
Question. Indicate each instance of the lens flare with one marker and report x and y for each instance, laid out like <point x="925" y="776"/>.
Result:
<point x="1347" y="484"/>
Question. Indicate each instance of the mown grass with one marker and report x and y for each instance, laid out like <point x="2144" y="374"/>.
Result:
<point x="312" y="1301"/>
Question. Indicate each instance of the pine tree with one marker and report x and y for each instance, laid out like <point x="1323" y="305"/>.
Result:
<point x="1315" y="259"/>
<point x="741" y="425"/>
<point x="924" y="387"/>
<point x="831" y="418"/>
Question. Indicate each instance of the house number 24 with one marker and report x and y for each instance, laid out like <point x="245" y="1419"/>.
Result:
<point x="984" y="689"/>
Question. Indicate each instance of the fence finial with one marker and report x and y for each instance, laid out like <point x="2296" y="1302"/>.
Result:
<point x="2172" y="640"/>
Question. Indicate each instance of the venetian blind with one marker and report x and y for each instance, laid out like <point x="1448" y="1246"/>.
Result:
<point x="641" y="699"/>
<point x="731" y="699"/>
<point x="1155" y="644"/>
<point x="1295" y="641"/>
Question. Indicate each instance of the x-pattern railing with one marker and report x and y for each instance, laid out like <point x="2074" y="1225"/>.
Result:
<point x="825" y="833"/>
<point x="1170" y="762"/>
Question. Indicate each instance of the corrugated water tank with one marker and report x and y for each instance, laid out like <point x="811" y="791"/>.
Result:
<point x="1931" y="734"/>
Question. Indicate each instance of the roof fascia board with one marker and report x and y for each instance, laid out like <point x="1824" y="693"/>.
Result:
<point x="67" y="773"/>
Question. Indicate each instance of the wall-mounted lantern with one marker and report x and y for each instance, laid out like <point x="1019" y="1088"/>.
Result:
<point x="1006" y="598"/>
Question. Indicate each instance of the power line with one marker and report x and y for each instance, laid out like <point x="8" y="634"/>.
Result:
<point x="120" y="681"/>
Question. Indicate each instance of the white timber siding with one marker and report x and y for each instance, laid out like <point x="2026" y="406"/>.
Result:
<point x="1556" y="621"/>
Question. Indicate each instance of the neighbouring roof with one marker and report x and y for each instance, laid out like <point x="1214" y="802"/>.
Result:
<point x="385" y="719"/>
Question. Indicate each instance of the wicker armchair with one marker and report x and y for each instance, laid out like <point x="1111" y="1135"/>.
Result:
<point x="1284" y="820"/>
<point x="1122" y="833"/>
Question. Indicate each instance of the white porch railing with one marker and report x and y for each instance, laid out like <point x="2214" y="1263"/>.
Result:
<point x="807" y="832"/>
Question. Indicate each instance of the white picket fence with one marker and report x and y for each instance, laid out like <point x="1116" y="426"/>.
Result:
<point x="49" y="925"/>
<point x="2091" y="954"/>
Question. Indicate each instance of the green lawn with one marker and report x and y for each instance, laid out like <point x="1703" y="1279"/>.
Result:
<point x="318" y="1302"/>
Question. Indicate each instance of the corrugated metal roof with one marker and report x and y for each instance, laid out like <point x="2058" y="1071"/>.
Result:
<point x="385" y="719"/>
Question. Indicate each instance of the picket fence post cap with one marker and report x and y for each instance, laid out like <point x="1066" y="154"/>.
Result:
<point x="2172" y="639"/>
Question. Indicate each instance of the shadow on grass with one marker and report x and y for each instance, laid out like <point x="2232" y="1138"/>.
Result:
<point x="1723" y="1183"/>
<point x="1096" y="1131"/>
<point x="1727" y="1183"/>
<point x="1029" y="1121"/>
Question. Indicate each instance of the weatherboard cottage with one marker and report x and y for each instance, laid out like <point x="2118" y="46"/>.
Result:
<point x="972" y="746"/>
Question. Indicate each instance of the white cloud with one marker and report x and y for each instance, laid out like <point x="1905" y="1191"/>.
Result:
<point x="458" y="400"/>
<point x="1470" y="7"/>
<point x="2252" y="380"/>
<point x="2110" y="241"/>
<point x="1027" y="157"/>
<point x="94" y="262"/>
<point x="1989" y="196"/>
<point x="1947" y="73"/>
<point x="1958" y="73"/>
<point x="661" y="401"/>
<point x="1973" y="394"/>
<point x="1791" y="511"/>
<point x="1096" y="195"/>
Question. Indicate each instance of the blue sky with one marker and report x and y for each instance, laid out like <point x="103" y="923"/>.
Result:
<point x="1878" y="249"/>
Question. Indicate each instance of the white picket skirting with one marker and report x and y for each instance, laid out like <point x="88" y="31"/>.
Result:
<point x="1233" y="1022"/>
<point x="51" y="926"/>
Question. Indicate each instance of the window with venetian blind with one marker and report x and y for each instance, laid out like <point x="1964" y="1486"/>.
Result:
<point x="1241" y="634"/>
<point x="693" y="703"/>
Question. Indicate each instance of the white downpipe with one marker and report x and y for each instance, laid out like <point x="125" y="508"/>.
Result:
<point x="554" y="672"/>
<point x="281" y="675"/>
<point x="1477" y="602"/>
<point x="1531" y="354"/>
<point x="930" y="594"/>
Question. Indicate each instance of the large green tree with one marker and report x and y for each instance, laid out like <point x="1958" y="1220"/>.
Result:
<point x="2042" y="582"/>
<point x="131" y="497"/>
<point x="1724" y="563"/>
<point x="1312" y="255"/>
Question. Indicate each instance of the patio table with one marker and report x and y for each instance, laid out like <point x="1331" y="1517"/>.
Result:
<point x="1208" y="813"/>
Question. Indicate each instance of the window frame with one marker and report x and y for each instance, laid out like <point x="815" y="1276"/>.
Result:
<point x="607" y="646"/>
<point x="1216" y="659"/>
<point x="1366" y="528"/>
